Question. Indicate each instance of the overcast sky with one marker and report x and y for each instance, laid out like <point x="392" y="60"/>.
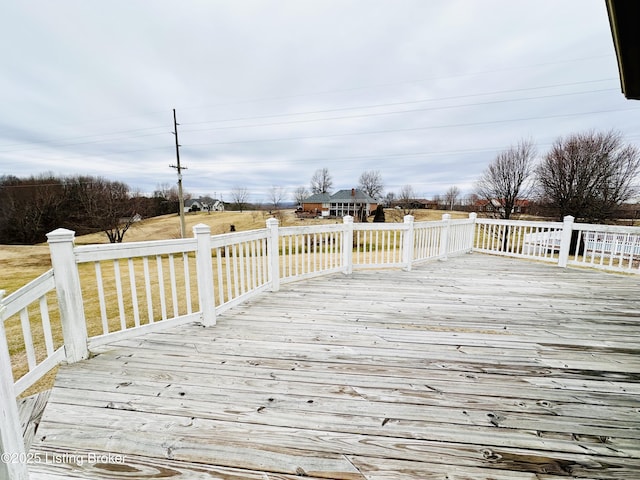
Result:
<point x="266" y="92"/>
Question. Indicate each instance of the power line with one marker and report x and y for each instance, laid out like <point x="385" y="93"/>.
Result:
<point x="404" y="82"/>
<point x="69" y="141"/>
<point x="399" y="130"/>
<point x="57" y="143"/>
<point x="390" y="104"/>
<point x="72" y="144"/>
<point x="373" y="132"/>
<point x="398" y="112"/>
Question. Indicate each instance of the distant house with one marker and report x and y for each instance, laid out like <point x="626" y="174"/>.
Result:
<point x="410" y="203"/>
<point x="428" y="204"/>
<point x="352" y="202"/>
<point x="129" y="220"/>
<point x="495" y="205"/>
<point x="317" y="205"/>
<point x="197" y="205"/>
<point x="217" y="206"/>
<point x="192" y="205"/>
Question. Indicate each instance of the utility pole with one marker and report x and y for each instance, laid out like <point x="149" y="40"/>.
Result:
<point x="183" y="228"/>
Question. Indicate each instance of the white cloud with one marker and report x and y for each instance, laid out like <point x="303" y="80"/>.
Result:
<point x="88" y="88"/>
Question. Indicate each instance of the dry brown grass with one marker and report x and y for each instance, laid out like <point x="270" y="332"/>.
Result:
<point x="22" y="264"/>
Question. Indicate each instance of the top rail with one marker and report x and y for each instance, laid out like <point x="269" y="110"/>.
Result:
<point x="94" y="253"/>
<point x="24" y="296"/>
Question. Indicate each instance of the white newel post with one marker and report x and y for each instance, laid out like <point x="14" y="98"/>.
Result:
<point x="444" y="236"/>
<point x="11" y="441"/>
<point x="565" y="241"/>
<point x="347" y="245"/>
<point x="472" y="231"/>
<point x="67" y="281"/>
<point x="407" y="244"/>
<point x="273" y="253"/>
<point x="204" y="272"/>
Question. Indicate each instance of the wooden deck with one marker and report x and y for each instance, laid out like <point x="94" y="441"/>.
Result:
<point x="476" y="368"/>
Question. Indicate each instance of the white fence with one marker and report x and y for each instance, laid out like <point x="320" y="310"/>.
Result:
<point x="135" y="288"/>
<point x="606" y="247"/>
<point x="536" y="240"/>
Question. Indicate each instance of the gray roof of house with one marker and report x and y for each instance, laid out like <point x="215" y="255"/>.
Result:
<point x="318" y="198"/>
<point x="345" y="196"/>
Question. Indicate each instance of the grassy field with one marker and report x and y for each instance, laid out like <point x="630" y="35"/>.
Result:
<point x="22" y="264"/>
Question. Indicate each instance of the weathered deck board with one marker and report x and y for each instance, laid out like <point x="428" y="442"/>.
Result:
<point x="475" y="368"/>
<point x="30" y="410"/>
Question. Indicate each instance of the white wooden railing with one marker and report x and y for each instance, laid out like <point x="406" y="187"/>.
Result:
<point x="147" y="286"/>
<point x="534" y="240"/>
<point x="606" y="247"/>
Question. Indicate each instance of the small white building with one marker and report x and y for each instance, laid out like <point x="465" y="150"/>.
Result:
<point x="217" y="206"/>
<point x="199" y="205"/>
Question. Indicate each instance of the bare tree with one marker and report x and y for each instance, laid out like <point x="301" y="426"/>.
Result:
<point x="470" y="200"/>
<point x="588" y="175"/>
<point x="165" y="190"/>
<point x="370" y="182"/>
<point x="123" y="216"/>
<point x="389" y="199"/>
<point x="240" y="197"/>
<point x="451" y="197"/>
<point x="300" y="194"/>
<point x="85" y="204"/>
<point x="102" y="204"/>
<point x="407" y="199"/>
<point x="30" y="207"/>
<point x="505" y="178"/>
<point x="276" y="196"/>
<point x="321" y="181"/>
<point x="165" y="199"/>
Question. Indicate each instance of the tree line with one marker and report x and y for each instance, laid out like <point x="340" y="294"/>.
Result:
<point x="586" y="175"/>
<point x="31" y="207"/>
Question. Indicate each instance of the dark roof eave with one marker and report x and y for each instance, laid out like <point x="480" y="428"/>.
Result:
<point x="623" y="15"/>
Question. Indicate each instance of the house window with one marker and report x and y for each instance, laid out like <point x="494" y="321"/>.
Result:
<point x="341" y="209"/>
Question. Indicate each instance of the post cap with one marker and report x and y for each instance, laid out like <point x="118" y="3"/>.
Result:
<point x="201" y="228"/>
<point x="61" y="235"/>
